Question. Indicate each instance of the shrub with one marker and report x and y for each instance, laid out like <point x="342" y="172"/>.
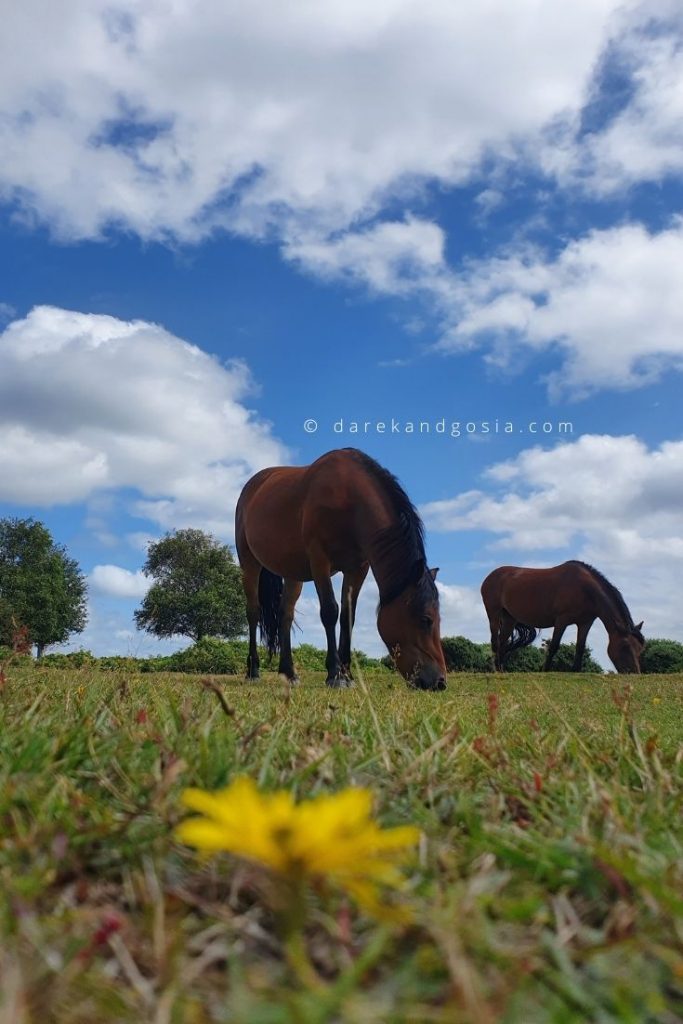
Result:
<point x="564" y="659"/>
<point x="308" y="658"/>
<point x="211" y="654"/>
<point x="463" y="655"/>
<point x="73" y="659"/>
<point x="662" y="656"/>
<point x="525" y="659"/>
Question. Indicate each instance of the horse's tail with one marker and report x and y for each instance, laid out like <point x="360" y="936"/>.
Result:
<point x="522" y="636"/>
<point x="270" y="589"/>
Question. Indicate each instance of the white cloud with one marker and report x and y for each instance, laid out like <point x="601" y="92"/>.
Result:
<point x="610" y="501"/>
<point x="608" y="302"/>
<point x="89" y="402"/>
<point x="114" y="581"/>
<point x="389" y="257"/>
<point x="175" y="118"/>
<point x="643" y="141"/>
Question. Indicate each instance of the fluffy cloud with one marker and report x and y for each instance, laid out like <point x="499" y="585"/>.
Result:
<point x="610" y="501"/>
<point x="90" y="402"/>
<point x="114" y="581"/>
<point x="643" y="140"/>
<point x="391" y="257"/>
<point x="177" y="118"/>
<point x="608" y="301"/>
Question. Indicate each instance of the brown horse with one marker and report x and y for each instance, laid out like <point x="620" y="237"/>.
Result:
<point x="519" y="601"/>
<point x="343" y="513"/>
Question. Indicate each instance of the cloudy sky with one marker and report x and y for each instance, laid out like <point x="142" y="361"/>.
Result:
<point x="219" y="221"/>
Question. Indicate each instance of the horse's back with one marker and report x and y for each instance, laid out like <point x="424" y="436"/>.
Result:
<point x="537" y="596"/>
<point x="283" y="509"/>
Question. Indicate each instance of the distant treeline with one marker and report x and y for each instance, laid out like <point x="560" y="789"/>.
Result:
<point x="228" y="657"/>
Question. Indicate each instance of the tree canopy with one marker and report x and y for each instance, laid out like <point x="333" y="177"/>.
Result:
<point x="197" y="589"/>
<point x="42" y="589"/>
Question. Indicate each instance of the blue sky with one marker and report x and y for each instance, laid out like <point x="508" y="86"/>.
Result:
<point x="216" y="224"/>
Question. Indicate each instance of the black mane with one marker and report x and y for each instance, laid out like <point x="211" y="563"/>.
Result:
<point x="616" y="596"/>
<point x="402" y="546"/>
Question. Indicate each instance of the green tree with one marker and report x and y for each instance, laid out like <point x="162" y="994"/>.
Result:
<point x="197" y="589"/>
<point x="662" y="656"/>
<point x="41" y="588"/>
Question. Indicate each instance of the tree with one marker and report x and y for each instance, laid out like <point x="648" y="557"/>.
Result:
<point x="42" y="589"/>
<point x="197" y="589"/>
<point x="662" y="656"/>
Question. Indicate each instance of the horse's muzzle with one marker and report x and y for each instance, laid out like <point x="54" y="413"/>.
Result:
<point x="429" y="681"/>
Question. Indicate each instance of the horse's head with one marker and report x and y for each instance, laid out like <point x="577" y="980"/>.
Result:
<point x="625" y="647"/>
<point x="410" y="624"/>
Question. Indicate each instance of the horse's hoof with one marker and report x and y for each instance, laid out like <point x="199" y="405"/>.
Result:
<point x="339" y="683"/>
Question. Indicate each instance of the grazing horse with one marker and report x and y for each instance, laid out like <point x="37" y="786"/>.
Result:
<point x="343" y="513"/>
<point x="520" y="601"/>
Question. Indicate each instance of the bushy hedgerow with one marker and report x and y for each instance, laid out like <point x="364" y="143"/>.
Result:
<point x="463" y="655"/>
<point x="74" y="659"/>
<point x="662" y="656"/>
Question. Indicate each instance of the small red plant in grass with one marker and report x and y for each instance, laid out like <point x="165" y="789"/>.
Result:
<point x="21" y="641"/>
<point x="111" y="924"/>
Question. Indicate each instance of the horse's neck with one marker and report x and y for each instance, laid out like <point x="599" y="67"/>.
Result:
<point x="384" y="562"/>
<point x="610" y="614"/>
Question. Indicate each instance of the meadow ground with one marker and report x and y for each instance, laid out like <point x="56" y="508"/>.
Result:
<point x="548" y="886"/>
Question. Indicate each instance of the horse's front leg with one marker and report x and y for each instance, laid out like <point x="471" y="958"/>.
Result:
<point x="554" y="644"/>
<point x="353" y="581"/>
<point x="329" y="613"/>
<point x="581" y="637"/>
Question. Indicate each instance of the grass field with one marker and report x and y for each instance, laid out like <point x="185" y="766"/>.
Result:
<point x="548" y="885"/>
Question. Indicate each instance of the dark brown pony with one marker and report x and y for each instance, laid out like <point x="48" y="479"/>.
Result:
<point x="520" y="601"/>
<point x="343" y="513"/>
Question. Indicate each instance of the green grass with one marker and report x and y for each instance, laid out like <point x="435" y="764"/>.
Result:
<point x="548" y="886"/>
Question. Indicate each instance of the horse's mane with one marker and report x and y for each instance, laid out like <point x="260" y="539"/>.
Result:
<point x="401" y="545"/>
<point x="616" y="596"/>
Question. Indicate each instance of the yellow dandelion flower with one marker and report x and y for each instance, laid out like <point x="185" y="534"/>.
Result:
<point x="656" y="700"/>
<point x="329" y="837"/>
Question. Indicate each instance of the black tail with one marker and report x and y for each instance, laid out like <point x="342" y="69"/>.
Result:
<point x="270" y="589"/>
<point x="522" y="636"/>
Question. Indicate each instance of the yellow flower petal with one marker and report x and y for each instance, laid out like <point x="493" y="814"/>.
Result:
<point x="332" y="836"/>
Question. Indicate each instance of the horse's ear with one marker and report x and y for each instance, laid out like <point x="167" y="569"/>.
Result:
<point x="418" y="570"/>
<point x="639" y="627"/>
<point x="433" y="572"/>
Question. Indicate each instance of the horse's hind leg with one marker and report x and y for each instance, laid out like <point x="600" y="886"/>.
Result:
<point x="505" y="628"/>
<point x="251" y="571"/>
<point x="353" y="581"/>
<point x="494" y="623"/>
<point x="290" y="595"/>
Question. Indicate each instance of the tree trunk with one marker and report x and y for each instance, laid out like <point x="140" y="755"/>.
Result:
<point x="40" y="648"/>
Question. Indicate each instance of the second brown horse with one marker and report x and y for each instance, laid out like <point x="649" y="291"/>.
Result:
<point x="519" y="601"/>
<point x="343" y="513"/>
